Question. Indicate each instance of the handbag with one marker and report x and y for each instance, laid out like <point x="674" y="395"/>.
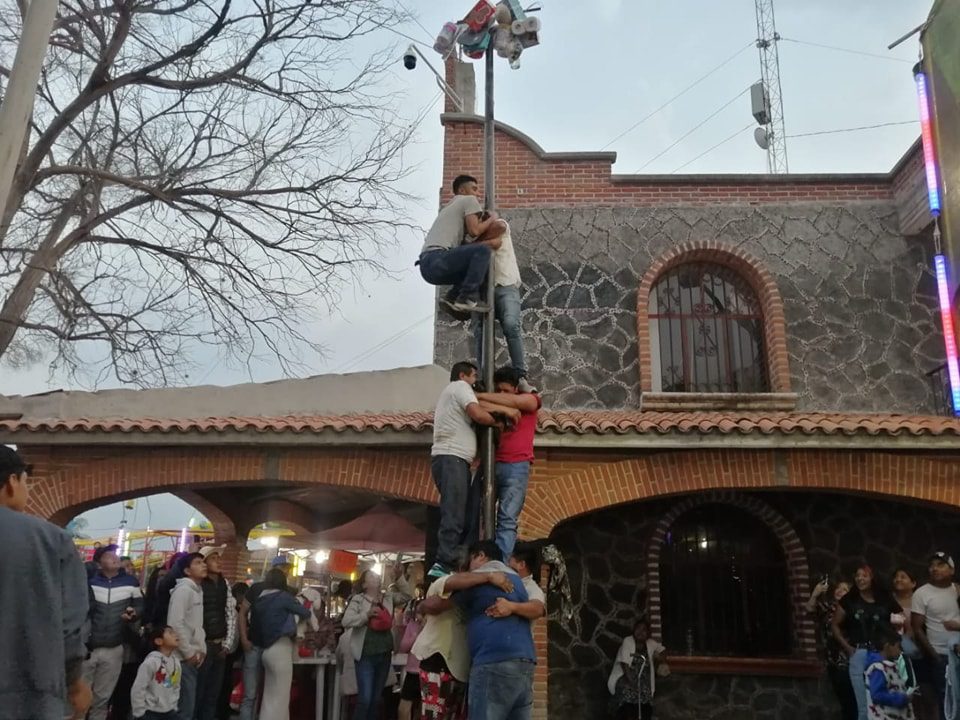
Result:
<point x="382" y="621"/>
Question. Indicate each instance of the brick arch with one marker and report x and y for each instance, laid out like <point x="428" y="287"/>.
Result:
<point x="70" y="480"/>
<point x="579" y="487"/>
<point x="795" y="555"/>
<point x="760" y="281"/>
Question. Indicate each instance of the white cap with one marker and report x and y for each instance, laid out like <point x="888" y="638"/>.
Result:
<point x="208" y="550"/>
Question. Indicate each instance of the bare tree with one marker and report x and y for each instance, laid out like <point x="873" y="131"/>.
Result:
<point x="198" y="172"/>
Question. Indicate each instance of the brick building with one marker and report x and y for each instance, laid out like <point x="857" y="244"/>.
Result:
<point x="735" y="375"/>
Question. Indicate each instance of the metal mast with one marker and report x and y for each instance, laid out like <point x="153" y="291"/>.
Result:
<point x="767" y="41"/>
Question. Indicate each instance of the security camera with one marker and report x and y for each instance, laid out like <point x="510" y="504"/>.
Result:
<point x="410" y="58"/>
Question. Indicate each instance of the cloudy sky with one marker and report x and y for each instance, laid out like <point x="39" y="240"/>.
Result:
<point x="602" y="67"/>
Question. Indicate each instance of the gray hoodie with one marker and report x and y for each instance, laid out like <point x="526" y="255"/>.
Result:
<point x="157" y="687"/>
<point x="185" y="616"/>
<point x="43" y="593"/>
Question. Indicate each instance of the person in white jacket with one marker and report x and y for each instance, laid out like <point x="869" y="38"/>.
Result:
<point x="155" y="694"/>
<point x="370" y="645"/>
<point x="633" y="679"/>
<point x="185" y="616"/>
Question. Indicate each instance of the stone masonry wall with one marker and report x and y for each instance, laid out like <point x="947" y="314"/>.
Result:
<point x="606" y="555"/>
<point x="859" y="299"/>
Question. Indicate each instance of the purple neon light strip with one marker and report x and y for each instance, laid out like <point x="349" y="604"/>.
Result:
<point x="949" y="336"/>
<point x="929" y="152"/>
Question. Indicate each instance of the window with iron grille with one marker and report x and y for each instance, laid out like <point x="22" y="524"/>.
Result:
<point x="706" y="332"/>
<point x="723" y="586"/>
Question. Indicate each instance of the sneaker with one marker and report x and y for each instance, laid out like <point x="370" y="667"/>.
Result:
<point x="448" y="308"/>
<point x="470" y="306"/>
<point x="438" y="570"/>
<point x="524" y="386"/>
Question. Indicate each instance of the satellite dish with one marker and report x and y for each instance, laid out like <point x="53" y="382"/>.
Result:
<point x="762" y="138"/>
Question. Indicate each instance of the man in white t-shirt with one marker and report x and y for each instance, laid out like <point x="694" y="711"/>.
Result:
<point x="525" y="562"/>
<point x="454" y="450"/>
<point x="507" y="309"/>
<point x="935" y="613"/>
<point x="446" y="260"/>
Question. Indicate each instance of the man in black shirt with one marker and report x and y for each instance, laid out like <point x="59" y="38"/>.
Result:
<point x="220" y="627"/>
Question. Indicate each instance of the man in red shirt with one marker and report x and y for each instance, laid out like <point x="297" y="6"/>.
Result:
<point x="514" y="453"/>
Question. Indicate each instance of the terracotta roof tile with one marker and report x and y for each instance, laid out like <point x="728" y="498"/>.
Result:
<point x="558" y="422"/>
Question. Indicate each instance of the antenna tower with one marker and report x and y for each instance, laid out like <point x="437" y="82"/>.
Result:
<point x="767" y="42"/>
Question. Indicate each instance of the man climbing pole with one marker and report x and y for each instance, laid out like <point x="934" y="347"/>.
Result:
<point x="506" y="308"/>
<point x="446" y="260"/>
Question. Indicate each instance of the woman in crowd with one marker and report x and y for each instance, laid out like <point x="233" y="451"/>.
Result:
<point x="861" y="614"/>
<point x="823" y="604"/>
<point x="409" y="629"/>
<point x="903" y="586"/>
<point x="633" y="679"/>
<point x="369" y="616"/>
<point x="273" y="614"/>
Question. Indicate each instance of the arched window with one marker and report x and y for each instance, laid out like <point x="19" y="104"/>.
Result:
<point x="724" y="588"/>
<point x="706" y="332"/>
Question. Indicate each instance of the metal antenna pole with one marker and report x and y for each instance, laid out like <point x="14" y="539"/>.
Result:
<point x="489" y="516"/>
<point x="767" y="43"/>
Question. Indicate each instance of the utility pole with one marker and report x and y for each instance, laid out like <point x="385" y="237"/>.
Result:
<point x="489" y="513"/>
<point x="767" y="43"/>
<point x="17" y="105"/>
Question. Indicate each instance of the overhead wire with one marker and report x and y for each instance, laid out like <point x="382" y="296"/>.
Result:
<point x="853" y="129"/>
<point x="714" y="147"/>
<point x="680" y="94"/>
<point x="692" y="130"/>
<point x="846" y="50"/>
<point x="369" y="352"/>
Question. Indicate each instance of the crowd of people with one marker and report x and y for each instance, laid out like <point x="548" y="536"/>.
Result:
<point x="891" y="648"/>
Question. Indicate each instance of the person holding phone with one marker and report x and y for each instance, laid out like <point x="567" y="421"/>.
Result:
<point x="369" y="617"/>
<point x="823" y="604"/>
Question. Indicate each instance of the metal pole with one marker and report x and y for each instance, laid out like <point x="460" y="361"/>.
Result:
<point x="17" y="105"/>
<point x="488" y="360"/>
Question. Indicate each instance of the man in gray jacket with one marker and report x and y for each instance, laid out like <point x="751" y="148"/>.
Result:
<point x="43" y="593"/>
<point x="185" y="616"/>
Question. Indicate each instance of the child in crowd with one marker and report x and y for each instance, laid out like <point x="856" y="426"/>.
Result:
<point x="156" y="691"/>
<point x="891" y="684"/>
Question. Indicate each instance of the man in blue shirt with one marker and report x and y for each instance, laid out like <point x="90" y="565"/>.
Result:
<point x="501" y="648"/>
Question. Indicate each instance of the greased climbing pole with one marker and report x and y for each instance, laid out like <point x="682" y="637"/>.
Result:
<point x="489" y="508"/>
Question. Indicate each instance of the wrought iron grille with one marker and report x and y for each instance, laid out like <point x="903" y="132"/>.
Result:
<point x="940" y="385"/>
<point x="706" y="332"/>
<point x="723" y="586"/>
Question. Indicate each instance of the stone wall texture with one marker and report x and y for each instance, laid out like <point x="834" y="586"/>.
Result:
<point x="859" y="299"/>
<point x="606" y="554"/>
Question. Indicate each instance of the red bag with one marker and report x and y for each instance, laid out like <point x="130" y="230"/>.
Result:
<point x="383" y="620"/>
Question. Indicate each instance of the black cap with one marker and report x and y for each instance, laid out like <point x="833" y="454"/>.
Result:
<point x="942" y="557"/>
<point x="104" y="549"/>
<point x="11" y="463"/>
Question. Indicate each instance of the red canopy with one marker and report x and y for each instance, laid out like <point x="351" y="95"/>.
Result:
<point x="378" y="530"/>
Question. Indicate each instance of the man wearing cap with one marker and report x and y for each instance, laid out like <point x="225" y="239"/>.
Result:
<point x="43" y="593"/>
<point x="934" y="614"/>
<point x="115" y="600"/>
<point x="220" y="628"/>
<point x="252" y="650"/>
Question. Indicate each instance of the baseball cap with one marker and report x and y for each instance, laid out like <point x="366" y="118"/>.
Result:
<point x="942" y="557"/>
<point x="100" y="551"/>
<point x="11" y="463"/>
<point x="208" y="550"/>
<point x="279" y="561"/>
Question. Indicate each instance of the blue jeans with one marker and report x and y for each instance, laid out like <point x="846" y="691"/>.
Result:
<point x="501" y="691"/>
<point x="209" y="683"/>
<point x="451" y="475"/>
<point x="188" y="692"/>
<point x="507" y="310"/>
<point x="252" y="661"/>
<point x="858" y="666"/>
<point x="512" y="481"/>
<point x="464" y="267"/>
<point x="372" y="673"/>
